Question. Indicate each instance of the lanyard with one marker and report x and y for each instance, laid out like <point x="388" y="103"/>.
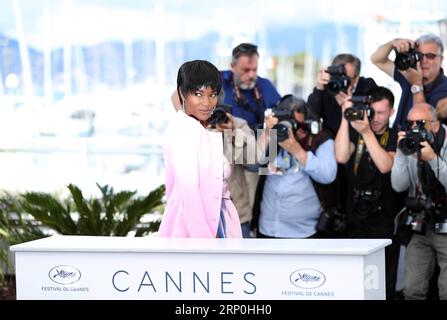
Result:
<point x="361" y="148"/>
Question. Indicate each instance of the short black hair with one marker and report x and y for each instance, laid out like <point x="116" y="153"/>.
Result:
<point x="379" y="93"/>
<point x="195" y="74"/>
<point x="291" y="103"/>
<point x="244" y="49"/>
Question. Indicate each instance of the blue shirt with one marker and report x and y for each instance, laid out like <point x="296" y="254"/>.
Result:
<point x="433" y="92"/>
<point x="290" y="207"/>
<point x="248" y="108"/>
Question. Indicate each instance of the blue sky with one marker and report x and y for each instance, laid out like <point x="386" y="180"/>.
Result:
<point x="92" y="21"/>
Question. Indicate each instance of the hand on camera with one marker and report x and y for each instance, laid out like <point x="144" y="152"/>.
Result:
<point x="414" y="76"/>
<point x="427" y="152"/>
<point x="270" y="121"/>
<point x="322" y="79"/>
<point x="403" y="45"/>
<point x="400" y="136"/>
<point x="341" y="97"/>
<point x="229" y="125"/>
<point x="361" y="126"/>
<point x="346" y="103"/>
<point x="290" y="144"/>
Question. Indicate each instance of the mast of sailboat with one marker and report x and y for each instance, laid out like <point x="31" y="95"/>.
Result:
<point x="68" y="9"/>
<point x="47" y="75"/>
<point x="23" y="51"/>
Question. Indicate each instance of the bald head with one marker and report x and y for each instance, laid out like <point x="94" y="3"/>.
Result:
<point x="424" y="111"/>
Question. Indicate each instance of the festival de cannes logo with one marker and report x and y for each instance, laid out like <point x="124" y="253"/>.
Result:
<point x="307" y="278"/>
<point x="64" y="274"/>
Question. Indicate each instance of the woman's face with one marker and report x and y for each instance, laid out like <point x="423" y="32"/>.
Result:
<point x="201" y="103"/>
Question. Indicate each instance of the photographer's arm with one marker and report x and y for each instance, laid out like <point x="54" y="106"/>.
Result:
<point x="382" y="158"/>
<point x="316" y="99"/>
<point x="380" y="56"/>
<point x="264" y="138"/>
<point x="441" y="108"/>
<point x="294" y="148"/>
<point x="343" y="146"/>
<point x="400" y="175"/>
<point x="322" y="166"/>
<point x="437" y="163"/>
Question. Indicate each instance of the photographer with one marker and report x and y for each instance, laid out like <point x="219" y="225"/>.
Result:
<point x="368" y="145"/>
<point x="418" y="70"/>
<point x="325" y="101"/>
<point x="289" y="204"/>
<point x="424" y="174"/>
<point x="249" y="95"/>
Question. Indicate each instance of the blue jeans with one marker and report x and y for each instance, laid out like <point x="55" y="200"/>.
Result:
<point x="245" y="229"/>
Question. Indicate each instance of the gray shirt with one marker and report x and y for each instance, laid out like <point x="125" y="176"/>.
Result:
<point x="404" y="173"/>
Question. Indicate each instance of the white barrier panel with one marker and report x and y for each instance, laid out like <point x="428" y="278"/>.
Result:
<point x="81" y="267"/>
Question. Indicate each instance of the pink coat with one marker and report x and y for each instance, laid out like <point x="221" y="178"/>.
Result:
<point x="193" y="159"/>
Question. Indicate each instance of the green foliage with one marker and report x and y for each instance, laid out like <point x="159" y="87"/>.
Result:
<point x="14" y="228"/>
<point x="112" y="214"/>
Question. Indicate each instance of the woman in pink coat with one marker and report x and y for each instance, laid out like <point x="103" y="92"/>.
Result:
<point x="198" y="198"/>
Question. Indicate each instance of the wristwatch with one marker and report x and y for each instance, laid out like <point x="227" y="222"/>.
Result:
<point x="415" y="89"/>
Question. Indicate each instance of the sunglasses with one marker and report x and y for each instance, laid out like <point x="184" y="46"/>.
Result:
<point x="422" y="122"/>
<point x="429" y="56"/>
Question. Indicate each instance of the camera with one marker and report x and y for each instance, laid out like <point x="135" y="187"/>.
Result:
<point x="441" y="226"/>
<point x="219" y="115"/>
<point x="439" y="220"/>
<point x="285" y="121"/>
<point x="417" y="214"/>
<point x="413" y="137"/>
<point x="366" y="202"/>
<point x="339" y="81"/>
<point x="405" y="60"/>
<point x="361" y="104"/>
<point x="331" y="221"/>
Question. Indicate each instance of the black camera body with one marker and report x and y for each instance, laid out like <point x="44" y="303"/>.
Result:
<point x="406" y="60"/>
<point x="331" y="221"/>
<point x="417" y="210"/>
<point x="366" y="202"/>
<point x="339" y="80"/>
<point x="413" y="138"/>
<point x="286" y="120"/>
<point x="219" y="115"/>
<point x="361" y="104"/>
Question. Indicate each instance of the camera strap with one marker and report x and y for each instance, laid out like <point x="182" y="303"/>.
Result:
<point x="241" y="100"/>
<point x="428" y="180"/>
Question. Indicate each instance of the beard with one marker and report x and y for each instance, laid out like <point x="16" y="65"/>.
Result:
<point x="244" y="86"/>
<point x="380" y="127"/>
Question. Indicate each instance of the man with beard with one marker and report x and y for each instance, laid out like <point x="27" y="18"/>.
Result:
<point x="249" y="95"/>
<point x="368" y="146"/>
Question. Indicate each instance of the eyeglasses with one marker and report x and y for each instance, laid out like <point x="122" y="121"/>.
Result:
<point x="411" y="123"/>
<point x="429" y="55"/>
